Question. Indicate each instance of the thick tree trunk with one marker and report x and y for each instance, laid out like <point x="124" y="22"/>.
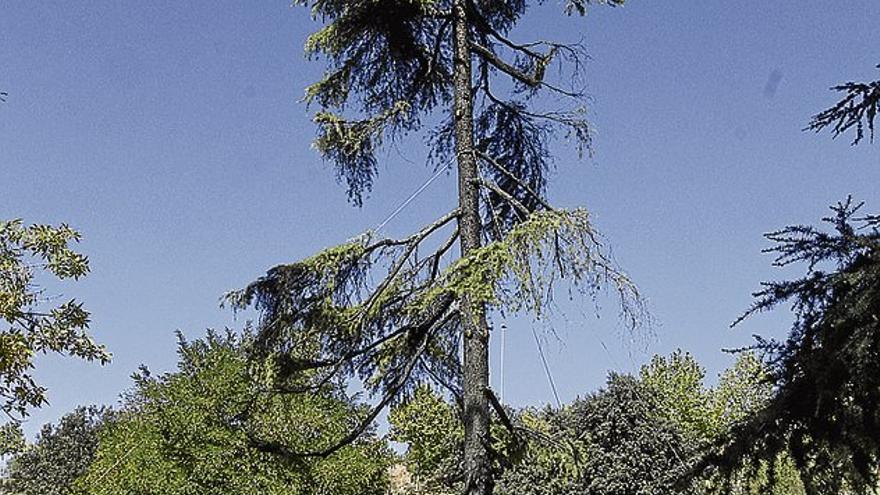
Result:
<point x="478" y="478"/>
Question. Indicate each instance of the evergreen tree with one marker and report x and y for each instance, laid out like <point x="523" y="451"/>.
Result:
<point x="825" y="406"/>
<point x="392" y="64"/>
<point x="59" y="456"/>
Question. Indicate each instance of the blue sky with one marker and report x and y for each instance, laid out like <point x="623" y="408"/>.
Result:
<point x="171" y="134"/>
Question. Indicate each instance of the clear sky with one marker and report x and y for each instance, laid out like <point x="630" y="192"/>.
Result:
<point x="170" y="133"/>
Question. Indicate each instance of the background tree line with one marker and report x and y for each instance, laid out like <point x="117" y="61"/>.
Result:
<point x="178" y="433"/>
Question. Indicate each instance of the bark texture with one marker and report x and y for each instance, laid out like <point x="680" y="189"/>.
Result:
<point x="478" y="479"/>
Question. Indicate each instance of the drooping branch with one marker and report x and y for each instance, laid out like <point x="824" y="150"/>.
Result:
<point x="391" y="64"/>
<point x="351" y="144"/>
<point x="824" y="408"/>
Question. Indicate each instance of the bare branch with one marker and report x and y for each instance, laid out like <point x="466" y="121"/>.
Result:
<point x="529" y="80"/>
<point x="279" y="448"/>
<point x="422" y="234"/>
<point x="411" y="243"/>
<point x="506" y="196"/>
<point x="514" y="178"/>
<point x="533" y="81"/>
<point x="499" y="409"/>
<point x="438" y="254"/>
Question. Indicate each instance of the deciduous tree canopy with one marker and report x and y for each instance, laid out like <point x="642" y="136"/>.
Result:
<point x="31" y="324"/>
<point x="185" y="433"/>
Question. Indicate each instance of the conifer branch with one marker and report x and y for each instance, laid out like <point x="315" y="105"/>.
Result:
<point x="858" y="108"/>
<point x="412" y="242"/>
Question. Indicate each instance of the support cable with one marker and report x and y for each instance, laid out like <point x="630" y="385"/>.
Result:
<point x="547" y="368"/>
<point x="411" y="198"/>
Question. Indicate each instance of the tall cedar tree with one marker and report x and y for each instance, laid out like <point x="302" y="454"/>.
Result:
<point x="393" y="63"/>
<point x="825" y="409"/>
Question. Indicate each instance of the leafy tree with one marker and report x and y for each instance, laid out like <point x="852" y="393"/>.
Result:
<point x="59" y="456"/>
<point x="629" y="449"/>
<point x="185" y="433"/>
<point x="12" y="439"/>
<point x="857" y="109"/>
<point x="677" y="382"/>
<point x="705" y="415"/>
<point x="826" y="374"/>
<point x="668" y="403"/>
<point x="431" y="429"/>
<point x="29" y="324"/>
<point x="612" y="441"/>
<point x="391" y="65"/>
<point x="743" y="389"/>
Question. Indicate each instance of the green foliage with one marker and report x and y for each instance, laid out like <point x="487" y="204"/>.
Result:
<point x="390" y="65"/>
<point x="12" y="439"/>
<point x="32" y="325"/>
<point x="629" y="449"/>
<point x="382" y="56"/>
<point x="519" y="271"/>
<point x="433" y="434"/>
<point x="613" y="441"/>
<point x="743" y="390"/>
<point x="351" y="145"/>
<point x="185" y="432"/>
<point x="60" y="455"/>
<point x="551" y="462"/>
<point x="613" y="438"/>
<point x="826" y="375"/>
<point x="705" y="415"/>
<point x="678" y="385"/>
<point x="610" y="442"/>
